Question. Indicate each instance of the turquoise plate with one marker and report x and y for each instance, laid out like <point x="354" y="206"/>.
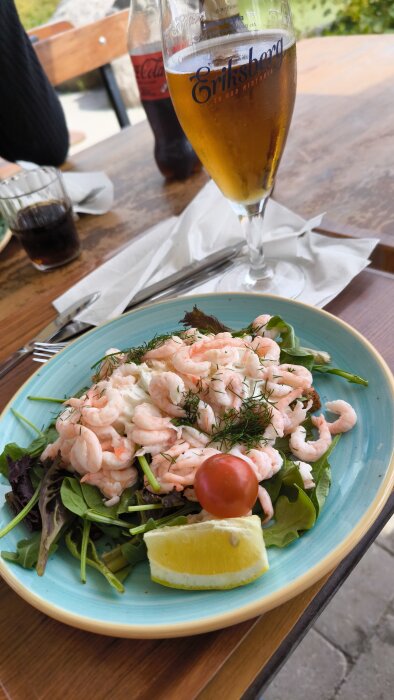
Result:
<point x="362" y="467"/>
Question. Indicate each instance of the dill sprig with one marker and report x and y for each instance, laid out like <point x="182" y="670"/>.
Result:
<point x="190" y="406"/>
<point x="245" y="426"/>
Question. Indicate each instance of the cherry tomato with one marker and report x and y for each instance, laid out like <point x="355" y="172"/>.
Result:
<point x="226" y="486"/>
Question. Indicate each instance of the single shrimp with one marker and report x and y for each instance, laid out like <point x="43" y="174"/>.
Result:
<point x="206" y="419"/>
<point x="102" y="406"/>
<point x="314" y="449"/>
<point x="148" y="417"/>
<point x="52" y="450"/>
<point x="347" y="416"/>
<point x="265" y="461"/>
<point x="164" y="351"/>
<point x="108" y="436"/>
<point x="124" y="376"/>
<point x="266" y="504"/>
<point x="293" y="417"/>
<point x="259" y="326"/>
<point x="266" y="348"/>
<point x="182" y="472"/>
<point x="194" y="437"/>
<point x="66" y="422"/>
<point x="306" y="474"/>
<point x="112" y="483"/>
<point x="86" y="454"/>
<point x="296" y="376"/>
<point x="161" y="463"/>
<point x="120" y="456"/>
<point x="251" y="365"/>
<point x="227" y="389"/>
<point x="167" y="391"/>
<point x="183" y="362"/>
<point x="156" y="439"/>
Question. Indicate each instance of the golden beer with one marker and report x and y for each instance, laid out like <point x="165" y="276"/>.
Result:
<point x="234" y="98"/>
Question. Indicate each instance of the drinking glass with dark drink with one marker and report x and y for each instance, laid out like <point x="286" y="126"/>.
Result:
<point x="231" y="73"/>
<point x="39" y="212"/>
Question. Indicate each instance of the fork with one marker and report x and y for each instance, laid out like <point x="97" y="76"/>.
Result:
<point x="44" y="351"/>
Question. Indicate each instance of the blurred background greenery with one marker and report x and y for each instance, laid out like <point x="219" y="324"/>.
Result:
<point x="310" y="16"/>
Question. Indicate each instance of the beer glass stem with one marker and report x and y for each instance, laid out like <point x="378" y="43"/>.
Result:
<point x="252" y="226"/>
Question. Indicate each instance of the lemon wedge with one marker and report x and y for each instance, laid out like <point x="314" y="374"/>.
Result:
<point x="215" y="554"/>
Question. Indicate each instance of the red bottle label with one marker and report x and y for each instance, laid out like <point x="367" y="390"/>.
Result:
<point x="150" y="76"/>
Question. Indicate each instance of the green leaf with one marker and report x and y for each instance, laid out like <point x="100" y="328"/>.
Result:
<point x="288" y="337"/>
<point x="297" y="356"/>
<point x="94" y="500"/>
<point x="55" y="517"/>
<point x="321" y="473"/>
<point x="26" y="554"/>
<point x="72" y="496"/>
<point x="292" y="517"/>
<point x="38" y="445"/>
<point x="13" y="451"/>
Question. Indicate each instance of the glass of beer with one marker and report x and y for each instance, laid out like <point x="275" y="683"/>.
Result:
<point x="38" y="210"/>
<point x="231" y="72"/>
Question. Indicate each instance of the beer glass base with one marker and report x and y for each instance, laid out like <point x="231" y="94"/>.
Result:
<point x="283" y="279"/>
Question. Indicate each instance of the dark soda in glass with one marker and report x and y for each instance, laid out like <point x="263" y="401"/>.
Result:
<point x="47" y="233"/>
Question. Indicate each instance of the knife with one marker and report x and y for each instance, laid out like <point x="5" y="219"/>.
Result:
<point x="49" y="331"/>
<point x="184" y="278"/>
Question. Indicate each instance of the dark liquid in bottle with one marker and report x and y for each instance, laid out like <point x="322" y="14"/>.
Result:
<point x="174" y="155"/>
<point x="47" y="233"/>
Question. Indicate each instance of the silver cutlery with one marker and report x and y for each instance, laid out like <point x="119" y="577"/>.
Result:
<point x="44" y="351"/>
<point x="49" y="332"/>
<point x="42" y="355"/>
<point x="178" y="282"/>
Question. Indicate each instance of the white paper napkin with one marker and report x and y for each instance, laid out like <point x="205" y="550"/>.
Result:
<point x="209" y="224"/>
<point x="90" y="192"/>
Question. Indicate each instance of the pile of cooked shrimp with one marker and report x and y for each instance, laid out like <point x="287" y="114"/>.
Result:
<point x="144" y="409"/>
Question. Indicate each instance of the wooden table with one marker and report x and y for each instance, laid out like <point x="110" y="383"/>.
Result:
<point x="326" y="168"/>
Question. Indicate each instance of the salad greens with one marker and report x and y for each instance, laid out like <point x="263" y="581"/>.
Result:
<point x="61" y="511"/>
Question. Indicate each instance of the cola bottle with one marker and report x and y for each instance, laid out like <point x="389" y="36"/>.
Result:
<point x="173" y="153"/>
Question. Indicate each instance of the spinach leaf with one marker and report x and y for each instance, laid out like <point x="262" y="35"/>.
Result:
<point x="94" y="500"/>
<point x="72" y="497"/>
<point x="13" y="452"/>
<point x="291" y="350"/>
<point x="321" y="473"/>
<point x="86" y="501"/>
<point x="292" y="517"/>
<point x="285" y="330"/>
<point x="297" y="356"/>
<point x="26" y="554"/>
<point x="55" y="517"/>
<point x="38" y="445"/>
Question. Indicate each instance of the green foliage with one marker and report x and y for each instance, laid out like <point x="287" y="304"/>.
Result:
<point x="32" y="13"/>
<point x="343" y="16"/>
<point x="364" y="17"/>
